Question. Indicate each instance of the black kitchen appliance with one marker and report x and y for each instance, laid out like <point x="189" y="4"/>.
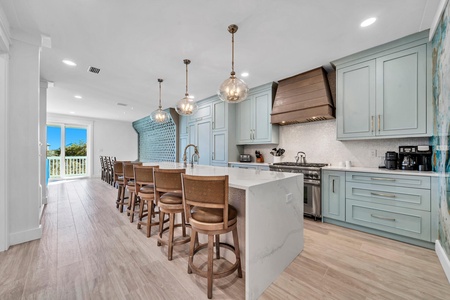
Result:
<point x="245" y="158"/>
<point x="415" y="158"/>
<point x="390" y="160"/>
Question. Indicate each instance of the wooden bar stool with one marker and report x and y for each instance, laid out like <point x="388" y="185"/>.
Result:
<point x="208" y="212"/>
<point x="143" y="177"/>
<point x="169" y="199"/>
<point x="120" y="184"/>
<point x="128" y="175"/>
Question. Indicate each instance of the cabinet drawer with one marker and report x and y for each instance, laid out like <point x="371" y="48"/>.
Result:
<point x="402" y="221"/>
<point x="421" y="182"/>
<point x="389" y="195"/>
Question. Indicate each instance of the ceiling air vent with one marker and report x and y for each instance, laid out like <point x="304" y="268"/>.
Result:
<point x="94" y="70"/>
<point x="122" y="104"/>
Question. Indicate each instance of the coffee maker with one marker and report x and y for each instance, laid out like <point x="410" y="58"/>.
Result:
<point x="415" y="157"/>
<point x="390" y="160"/>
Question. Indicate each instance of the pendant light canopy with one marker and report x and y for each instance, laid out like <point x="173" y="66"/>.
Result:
<point x="233" y="90"/>
<point x="159" y="115"/>
<point x="186" y="106"/>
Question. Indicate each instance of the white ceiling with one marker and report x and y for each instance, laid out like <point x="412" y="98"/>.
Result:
<point x="136" y="42"/>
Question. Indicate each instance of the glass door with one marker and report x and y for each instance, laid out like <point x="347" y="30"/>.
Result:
<point x="67" y="151"/>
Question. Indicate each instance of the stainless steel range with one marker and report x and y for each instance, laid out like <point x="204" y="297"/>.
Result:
<point x="312" y="178"/>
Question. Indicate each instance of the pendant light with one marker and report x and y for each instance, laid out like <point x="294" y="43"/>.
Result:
<point x="159" y="115"/>
<point x="233" y="90"/>
<point x="186" y="106"/>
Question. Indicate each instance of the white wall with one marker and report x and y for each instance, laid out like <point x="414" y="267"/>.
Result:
<point x="318" y="141"/>
<point x="109" y="138"/>
<point x="4" y="230"/>
<point x="24" y="201"/>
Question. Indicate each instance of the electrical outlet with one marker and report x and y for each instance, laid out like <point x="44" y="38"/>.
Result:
<point x="289" y="198"/>
<point x="373" y="153"/>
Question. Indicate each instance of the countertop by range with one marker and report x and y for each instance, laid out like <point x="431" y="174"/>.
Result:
<point x="382" y="171"/>
<point x="249" y="163"/>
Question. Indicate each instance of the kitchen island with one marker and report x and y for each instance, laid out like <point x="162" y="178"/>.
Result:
<point x="270" y="220"/>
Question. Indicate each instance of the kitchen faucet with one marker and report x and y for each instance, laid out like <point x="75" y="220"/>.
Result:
<point x="192" y="158"/>
<point x="302" y="157"/>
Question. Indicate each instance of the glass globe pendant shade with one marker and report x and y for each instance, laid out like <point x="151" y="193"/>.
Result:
<point x="186" y="106"/>
<point x="233" y="90"/>
<point x="159" y="116"/>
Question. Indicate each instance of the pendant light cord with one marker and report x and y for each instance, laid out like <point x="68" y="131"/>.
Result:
<point x="160" y="80"/>
<point x="187" y="61"/>
<point x="232" y="54"/>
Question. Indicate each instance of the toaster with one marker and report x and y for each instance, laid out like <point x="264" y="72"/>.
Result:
<point x="245" y="158"/>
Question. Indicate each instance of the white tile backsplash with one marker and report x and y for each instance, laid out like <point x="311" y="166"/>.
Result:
<point x="318" y="141"/>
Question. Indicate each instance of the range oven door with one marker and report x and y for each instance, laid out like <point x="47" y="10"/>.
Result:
<point x="311" y="198"/>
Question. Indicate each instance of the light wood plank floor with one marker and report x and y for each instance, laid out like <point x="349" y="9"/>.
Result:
<point x="91" y="251"/>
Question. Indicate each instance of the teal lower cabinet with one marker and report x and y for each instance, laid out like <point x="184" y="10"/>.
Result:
<point x="333" y="195"/>
<point x="403" y="221"/>
<point x="400" y="207"/>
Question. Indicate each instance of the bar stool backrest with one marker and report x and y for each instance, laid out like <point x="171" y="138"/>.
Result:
<point x="206" y="192"/>
<point x="144" y="174"/>
<point x="128" y="171"/>
<point x="167" y="181"/>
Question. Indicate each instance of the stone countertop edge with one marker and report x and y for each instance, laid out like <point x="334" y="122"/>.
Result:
<point x="249" y="163"/>
<point x="382" y="171"/>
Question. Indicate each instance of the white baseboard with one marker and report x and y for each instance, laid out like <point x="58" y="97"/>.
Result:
<point x="25" y="236"/>
<point x="443" y="259"/>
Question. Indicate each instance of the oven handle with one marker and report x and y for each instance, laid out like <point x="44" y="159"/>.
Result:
<point x="311" y="182"/>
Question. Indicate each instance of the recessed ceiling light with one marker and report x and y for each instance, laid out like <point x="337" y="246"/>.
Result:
<point x="69" y="62"/>
<point x="72" y="112"/>
<point x="245" y="74"/>
<point x="78" y="97"/>
<point x="368" y="22"/>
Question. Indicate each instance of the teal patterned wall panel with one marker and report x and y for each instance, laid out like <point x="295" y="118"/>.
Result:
<point x="156" y="142"/>
<point x="441" y="95"/>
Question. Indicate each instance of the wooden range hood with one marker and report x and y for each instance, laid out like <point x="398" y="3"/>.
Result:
<point x="303" y="98"/>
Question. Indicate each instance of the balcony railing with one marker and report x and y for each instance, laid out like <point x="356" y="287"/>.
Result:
<point x="73" y="166"/>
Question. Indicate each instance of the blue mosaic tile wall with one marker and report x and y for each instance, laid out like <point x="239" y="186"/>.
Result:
<point x="441" y="141"/>
<point x="156" y="142"/>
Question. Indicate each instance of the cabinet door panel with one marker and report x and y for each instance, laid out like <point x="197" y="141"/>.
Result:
<point x="401" y="96"/>
<point x="183" y="123"/>
<point x="244" y="114"/>
<point x="219" y="147"/>
<point x="263" y="107"/>
<point x="192" y="139"/>
<point x="356" y="105"/>
<point x="333" y="197"/>
<point x="204" y="142"/>
<point x="204" y="112"/>
<point x="182" y="145"/>
<point x="219" y="115"/>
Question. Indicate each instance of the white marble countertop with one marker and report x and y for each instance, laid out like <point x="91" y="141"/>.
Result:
<point x="249" y="163"/>
<point x="238" y="178"/>
<point x="383" y="171"/>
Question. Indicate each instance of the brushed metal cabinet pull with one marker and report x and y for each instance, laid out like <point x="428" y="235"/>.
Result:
<point x="379" y="125"/>
<point x="212" y="155"/>
<point x="383" y="179"/>
<point x="371" y="124"/>
<point x="382" y="218"/>
<point x="251" y="134"/>
<point x="382" y="195"/>
<point x="332" y="190"/>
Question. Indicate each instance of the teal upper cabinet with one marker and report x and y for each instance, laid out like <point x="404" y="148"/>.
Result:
<point x="385" y="91"/>
<point x="212" y="130"/>
<point x="253" y="117"/>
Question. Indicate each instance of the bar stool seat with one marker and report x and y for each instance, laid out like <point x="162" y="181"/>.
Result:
<point x="169" y="199"/>
<point x="145" y="191"/>
<point x="213" y="215"/>
<point x="207" y="210"/>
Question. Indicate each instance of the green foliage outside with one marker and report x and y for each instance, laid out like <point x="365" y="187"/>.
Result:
<point x="74" y="149"/>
